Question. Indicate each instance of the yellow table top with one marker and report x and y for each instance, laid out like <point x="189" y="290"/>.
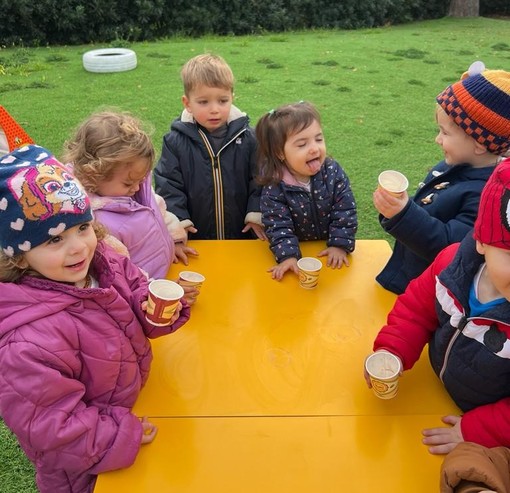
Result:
<point x="256" y="347"/>
<point x="262" y="390"/>
<point x="354" y="454"/>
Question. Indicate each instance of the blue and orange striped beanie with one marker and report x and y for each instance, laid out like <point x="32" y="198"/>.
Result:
<point x="480" y="105"/>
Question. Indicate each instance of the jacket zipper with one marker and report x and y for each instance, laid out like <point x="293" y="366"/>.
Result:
<point x="463" y="322"/>
<point x="218" y="183"/>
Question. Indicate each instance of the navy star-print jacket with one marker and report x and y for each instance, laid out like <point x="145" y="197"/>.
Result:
<point x="291" y="213"/>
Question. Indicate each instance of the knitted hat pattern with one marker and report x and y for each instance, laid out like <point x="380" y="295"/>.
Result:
<point x="39" y="199"/>
<point x="480" y="105"/>
<point x="492" y="226"/>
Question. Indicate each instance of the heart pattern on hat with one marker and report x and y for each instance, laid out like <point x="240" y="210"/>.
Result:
<point x="57" y="230"/>
<point x="18" y="224"/>
<point x="25" y="246"/>
<point x="39" y="199"/>
<point x="9" y="251"/>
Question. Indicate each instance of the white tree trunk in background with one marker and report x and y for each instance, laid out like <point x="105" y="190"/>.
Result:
<point x="464" y="8"/>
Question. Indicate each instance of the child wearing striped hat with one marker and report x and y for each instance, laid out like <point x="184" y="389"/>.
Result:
<point x="473" y="116"/>
<point x="460" y="307"/>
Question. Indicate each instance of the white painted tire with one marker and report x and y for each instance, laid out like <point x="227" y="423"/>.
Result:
<point x="109" y="60"/>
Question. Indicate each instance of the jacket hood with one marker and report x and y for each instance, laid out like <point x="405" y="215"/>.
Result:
<point x="186" y="124"/>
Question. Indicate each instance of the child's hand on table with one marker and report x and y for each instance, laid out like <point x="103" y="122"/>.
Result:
<point x="337" y="257"/>
<point x="257" y="229"/>
<point x="149" y="431"/>
<point x="181" y="253"/>
<point x="279" y="270"/>
<point x="444" y="439"/>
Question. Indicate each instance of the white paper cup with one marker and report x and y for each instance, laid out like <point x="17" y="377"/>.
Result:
<point x="393" y="181"/>
<point x="384" y="371"/>
<point x="164" y="295"/>
<point x="309" y="269"/>
<point x="190" y="278"/>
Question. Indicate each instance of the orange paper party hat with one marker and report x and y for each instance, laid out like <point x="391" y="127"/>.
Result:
<point x="14" y="134"/>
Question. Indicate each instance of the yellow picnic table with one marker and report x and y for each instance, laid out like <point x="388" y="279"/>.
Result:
<point x="262" y="391"/>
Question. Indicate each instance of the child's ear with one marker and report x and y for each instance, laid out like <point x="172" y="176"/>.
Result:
<point x="480" y="248"/>
<point x="480" y="149"/>
<point x="185" y="102"/>
<point x="22" y="263"/>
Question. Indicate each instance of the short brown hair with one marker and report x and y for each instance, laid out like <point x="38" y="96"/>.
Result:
<point x="208" y="70"/>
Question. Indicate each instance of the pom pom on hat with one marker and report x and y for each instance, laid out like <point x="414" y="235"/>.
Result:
<point x="39" y="199"/>
<point x="480" y="104"/>
<point x="492" y="226"/>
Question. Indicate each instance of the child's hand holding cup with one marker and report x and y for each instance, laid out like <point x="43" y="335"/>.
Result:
<point x="393" y="182"/>
<point x="164" y="298"/>
<point x="382" y="371"/>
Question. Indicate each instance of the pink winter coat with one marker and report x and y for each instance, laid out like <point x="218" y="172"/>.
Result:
<point x="139" y="224"/>
<point x="72" y="363"/>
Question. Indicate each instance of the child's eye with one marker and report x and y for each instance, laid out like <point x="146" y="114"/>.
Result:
<point x="54" y="240"/>
<point x="84" y="226"/>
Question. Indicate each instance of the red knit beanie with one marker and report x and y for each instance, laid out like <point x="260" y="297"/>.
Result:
<point x="492" y="226"/>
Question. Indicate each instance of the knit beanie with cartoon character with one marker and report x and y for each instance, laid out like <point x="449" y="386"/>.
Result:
<point x="480" y="105"/>
<point x="39" y="199"/>
<point x="492" y="226"/>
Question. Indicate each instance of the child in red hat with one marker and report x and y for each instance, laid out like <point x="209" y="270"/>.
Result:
<point x="460" y="307"/>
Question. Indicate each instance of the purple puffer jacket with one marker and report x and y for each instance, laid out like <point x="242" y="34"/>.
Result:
<point x="137" y="222"/>
<point x="72" y="363"/>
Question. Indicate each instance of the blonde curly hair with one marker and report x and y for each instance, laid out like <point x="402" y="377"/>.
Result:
<point x="104" y="142"/>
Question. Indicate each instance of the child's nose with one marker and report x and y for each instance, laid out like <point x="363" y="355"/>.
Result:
<point x="78" y="245"/>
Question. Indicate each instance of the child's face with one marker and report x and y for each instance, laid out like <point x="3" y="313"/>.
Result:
<point x="498" y="267"/>
<point x="458" y="147"/>
<point x="210" y="106"/>
<point x="126" y="180"/>
<point x="65" y="257"/>
<point x="305" y="151"/>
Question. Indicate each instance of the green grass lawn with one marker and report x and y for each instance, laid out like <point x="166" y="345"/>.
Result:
<point x="375" y="89"/>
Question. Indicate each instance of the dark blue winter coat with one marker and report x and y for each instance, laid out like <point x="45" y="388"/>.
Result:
<point x="290" y="213"/>
<point x="442" y="212"/>
<point x="214" y="191"/>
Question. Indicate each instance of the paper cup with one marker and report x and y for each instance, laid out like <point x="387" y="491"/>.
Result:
<point x="393" y="181"/>
<point x="384" y="370"/>
<point x="190" y="278"/>
<point x="164" y="296"/>
<point x="309" y="269"/>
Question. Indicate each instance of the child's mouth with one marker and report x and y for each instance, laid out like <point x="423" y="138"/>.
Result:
<point x="314" y="164"/>
<point x="77" y="266"/>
